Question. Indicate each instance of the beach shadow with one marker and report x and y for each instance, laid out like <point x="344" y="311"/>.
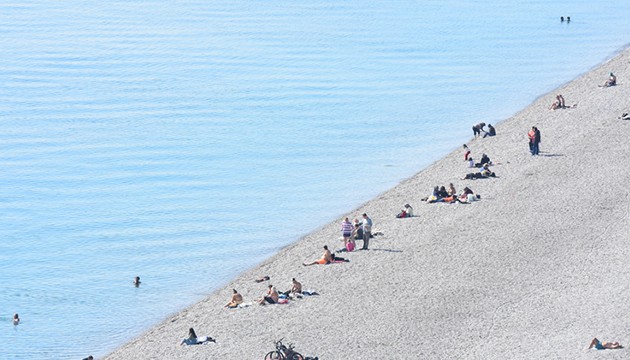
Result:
<point x="386" y="250"/>
<point x="549" y="155"/>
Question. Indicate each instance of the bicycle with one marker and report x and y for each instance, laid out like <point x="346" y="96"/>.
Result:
<point x="283" y="353"/>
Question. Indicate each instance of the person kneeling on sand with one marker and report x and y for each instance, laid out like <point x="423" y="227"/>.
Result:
<point x="598" y="345"/>
<point x="271" y="297"/>
<point x="325" y="259"/>
<point x="192" y="339"/>
<point x="236" y="300"/>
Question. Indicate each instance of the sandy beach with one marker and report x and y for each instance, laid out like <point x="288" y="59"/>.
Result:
<point x="534" y="270"/>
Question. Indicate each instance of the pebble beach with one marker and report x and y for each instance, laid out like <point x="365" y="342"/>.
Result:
<point x="533" y="270"/>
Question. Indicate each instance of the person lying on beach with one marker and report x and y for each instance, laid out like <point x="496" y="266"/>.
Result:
<point x="336" y="258"/>
<point x="484" y="173"/>
<point x="598" y="345"/>
<point x="325" y="259"/>
<point x="271" y="297"/>
<point x="452" y="199"/>
<point x="235" y="301"/>
<point x="192" y="339"/>
<point x="449" y="200"/>
<point x="264" y="278"/>
<point x="407" y="211"/>
<point x="612" y="81"/>
<point x="491" y="131"/>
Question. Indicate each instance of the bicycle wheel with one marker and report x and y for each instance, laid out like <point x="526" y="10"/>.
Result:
<point x="274" y="355"/>
<point x="297" y="356"/>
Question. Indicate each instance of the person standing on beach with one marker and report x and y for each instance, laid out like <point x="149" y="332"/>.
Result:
<point x="367" y="231"/>
<point x="346" y="231"/>
<point x="534" y="140"/>
<point x="477" y="129"/>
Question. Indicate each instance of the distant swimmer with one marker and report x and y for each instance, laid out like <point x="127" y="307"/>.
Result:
<point x="561" y="18"/>
<point x="568" y="19"/>
<point x="136" y="281"/>
<point x="16" y="319"/>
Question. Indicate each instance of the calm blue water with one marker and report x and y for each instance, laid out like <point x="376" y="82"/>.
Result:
<point x="164" y="139"/>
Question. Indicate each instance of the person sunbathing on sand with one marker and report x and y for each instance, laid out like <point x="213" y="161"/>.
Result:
<point x="271" y="297"/>
<point x="192" y="339"/>
<point x="325" y="259"/>
<point x="296" y="288"/>
<point x="598" y="345"/>
<point x="235" y="301"/>
<point x="612" y="81"/>
<point x="484" y="173"/>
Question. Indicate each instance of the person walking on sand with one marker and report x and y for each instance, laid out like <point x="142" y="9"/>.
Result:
<point x="367" y="231"/>
<point x="346" y="231"/>
<point x="534" y="140"/>
<point x="477" y="129"/>
<point x="325" y="259"/>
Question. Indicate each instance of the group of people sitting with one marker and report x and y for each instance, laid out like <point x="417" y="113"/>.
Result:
<point x="271" y="296"/>
<point x="441" y="194"/>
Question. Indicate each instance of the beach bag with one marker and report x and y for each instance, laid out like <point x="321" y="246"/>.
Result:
<point x="470" y="198"/>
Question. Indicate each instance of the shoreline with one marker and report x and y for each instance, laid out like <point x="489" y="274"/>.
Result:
<point x="464" y="276"/>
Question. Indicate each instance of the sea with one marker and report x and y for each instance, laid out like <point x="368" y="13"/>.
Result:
<point x="188" y="141"/>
